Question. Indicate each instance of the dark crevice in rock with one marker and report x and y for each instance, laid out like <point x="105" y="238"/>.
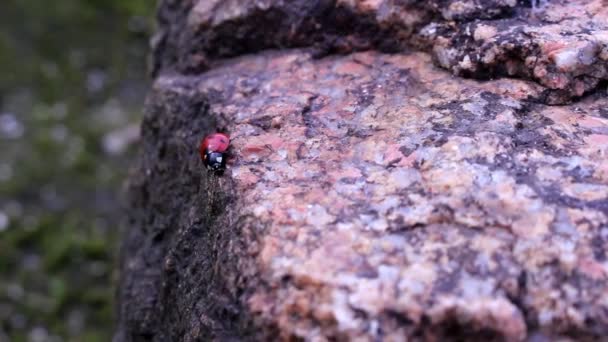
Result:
<point x="310" y="121"/>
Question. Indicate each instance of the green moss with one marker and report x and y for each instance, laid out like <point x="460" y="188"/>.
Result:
<point x="57" y="254"/>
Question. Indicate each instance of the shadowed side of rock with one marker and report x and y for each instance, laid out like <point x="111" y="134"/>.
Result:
<point x="198" y="32"/>
<point x="194" y="34"/>
<point x="188" y="251"/>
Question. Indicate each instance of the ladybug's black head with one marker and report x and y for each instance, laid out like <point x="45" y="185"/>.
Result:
<point x="215" y="161"/>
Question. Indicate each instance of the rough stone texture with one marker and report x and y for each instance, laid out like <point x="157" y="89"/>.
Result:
<point x="563" y="45"/>
<point x="369" y="196"/>
<point x="195" y="33"/>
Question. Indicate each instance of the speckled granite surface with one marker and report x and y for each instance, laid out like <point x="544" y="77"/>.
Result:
<point x="391" y="188"/>
<point x="397" y="200"/>
<point x="369" y="196"/>
<point x="563" y="45"/>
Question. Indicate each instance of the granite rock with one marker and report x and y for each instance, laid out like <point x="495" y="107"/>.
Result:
<point x="194" y="34"/>
<point x="369" y="196"/>
<point x="563" y="45"/>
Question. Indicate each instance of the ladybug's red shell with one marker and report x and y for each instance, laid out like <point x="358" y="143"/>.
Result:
<point x="213" y="151"/>
<point x="216" y="142"/>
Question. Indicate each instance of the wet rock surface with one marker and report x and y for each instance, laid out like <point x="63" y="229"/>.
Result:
<point x="368" y="195"/>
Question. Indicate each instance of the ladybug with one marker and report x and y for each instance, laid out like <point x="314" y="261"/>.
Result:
<point x="213" y="151"/>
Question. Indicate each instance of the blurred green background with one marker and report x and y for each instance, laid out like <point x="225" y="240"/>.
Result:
<point x="72" y="84"/>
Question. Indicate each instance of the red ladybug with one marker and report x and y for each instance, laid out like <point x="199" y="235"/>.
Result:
<point x="213" y="151"/>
